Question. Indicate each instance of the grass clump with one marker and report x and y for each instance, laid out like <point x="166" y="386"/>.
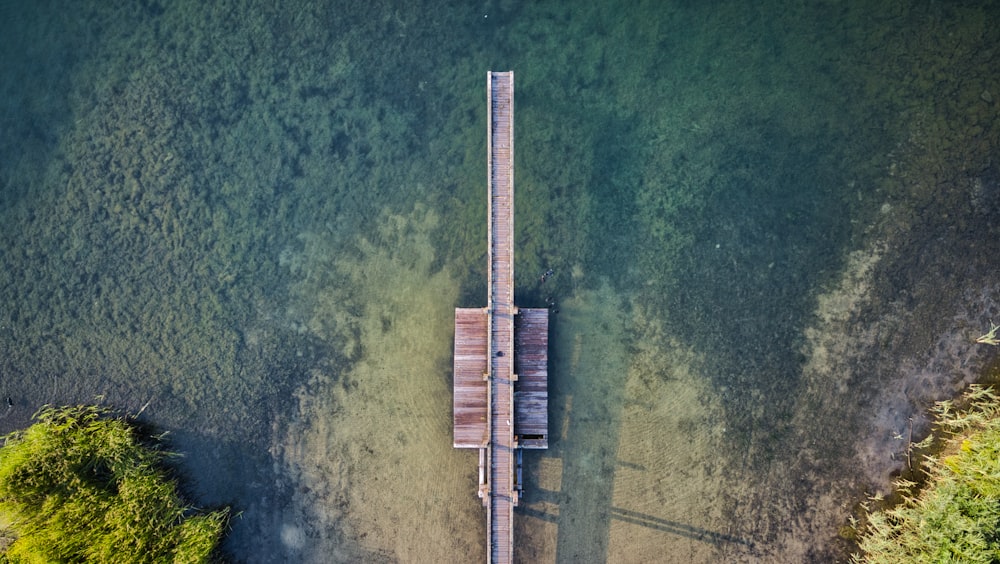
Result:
<point x="80" y="485"/>
<point x="955" y="516"/>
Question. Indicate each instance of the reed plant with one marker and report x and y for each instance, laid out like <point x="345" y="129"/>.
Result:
<point x="954" y="515"/>
<point x="84" y="485"/>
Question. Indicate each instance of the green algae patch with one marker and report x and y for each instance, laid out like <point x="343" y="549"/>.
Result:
<point x="956" y="515"/>
<point x="81" y="485"/>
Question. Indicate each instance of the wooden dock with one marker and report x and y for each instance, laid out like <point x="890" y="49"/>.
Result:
<point x="495" y="410"/>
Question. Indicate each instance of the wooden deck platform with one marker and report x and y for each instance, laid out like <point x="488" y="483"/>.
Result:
<point x="471" y="390"/>
<point x="501" y="353"/>
<point x="531" y="390"/>
<point x="470" y="398"/>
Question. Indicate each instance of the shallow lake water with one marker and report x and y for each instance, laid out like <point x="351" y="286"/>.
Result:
<point x="772" y="227"/>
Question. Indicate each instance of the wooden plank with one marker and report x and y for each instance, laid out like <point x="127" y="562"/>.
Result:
<point x="531" y="398"/>
<point x="470" y="389"/>
<point x="501" y="319"/>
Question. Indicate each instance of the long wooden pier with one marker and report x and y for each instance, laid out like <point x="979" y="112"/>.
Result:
<point x="495" y="410"/>
<point x="500" y="515"/>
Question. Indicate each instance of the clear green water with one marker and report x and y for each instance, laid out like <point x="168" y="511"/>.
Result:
<point x="771" y="228"/>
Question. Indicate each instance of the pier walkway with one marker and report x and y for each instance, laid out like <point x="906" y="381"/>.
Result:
<point x="503" y="498"/>
<point x="495" y="410"/>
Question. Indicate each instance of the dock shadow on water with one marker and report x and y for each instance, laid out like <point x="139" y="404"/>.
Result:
<point x="629" y="472"/>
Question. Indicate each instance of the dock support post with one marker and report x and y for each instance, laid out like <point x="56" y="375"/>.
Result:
<point x="482" y="467"/>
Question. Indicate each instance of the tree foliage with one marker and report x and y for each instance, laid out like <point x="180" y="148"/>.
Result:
<point x="80" y="485"/>
<point x="956" y="516"/>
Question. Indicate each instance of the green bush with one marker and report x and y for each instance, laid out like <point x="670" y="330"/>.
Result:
<point x="81" y="486"/>
<point x="955" y="517"/>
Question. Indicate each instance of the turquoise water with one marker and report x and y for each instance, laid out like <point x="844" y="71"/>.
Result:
<point x="771" y="227"/>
